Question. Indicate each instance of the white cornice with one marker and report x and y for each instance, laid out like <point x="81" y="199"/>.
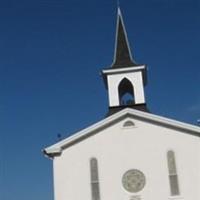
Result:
<point x="81" y="135"/>
<point x="124" y="69"/>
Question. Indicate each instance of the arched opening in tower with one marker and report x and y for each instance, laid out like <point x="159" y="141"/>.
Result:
<point x="126" y="92"/>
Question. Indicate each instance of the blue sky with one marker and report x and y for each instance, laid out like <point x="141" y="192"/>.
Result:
<point x="51" y="54"/>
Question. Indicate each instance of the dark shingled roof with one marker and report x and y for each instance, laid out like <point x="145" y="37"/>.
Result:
<point x="141" y="107"/>
<point x="122" y="56"/>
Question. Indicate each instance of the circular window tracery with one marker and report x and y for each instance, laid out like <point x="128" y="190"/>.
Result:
<point x="133" y="180"/>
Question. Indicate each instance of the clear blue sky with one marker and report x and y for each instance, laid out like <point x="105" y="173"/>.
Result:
<point x="51" y="53"/>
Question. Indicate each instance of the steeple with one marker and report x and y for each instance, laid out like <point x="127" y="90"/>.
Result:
<point x="122" y="54"/>
<point x="125" y="80"/>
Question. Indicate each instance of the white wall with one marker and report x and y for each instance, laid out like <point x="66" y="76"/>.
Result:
<point x="134" y="77"/>
<point x="118" y="149"/>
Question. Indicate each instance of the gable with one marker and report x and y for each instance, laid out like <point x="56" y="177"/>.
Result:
<point x="128" y="113"/>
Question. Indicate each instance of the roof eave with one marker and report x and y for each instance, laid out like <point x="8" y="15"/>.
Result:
<point x="52" y="151"/>
<point x="57" y="148"/>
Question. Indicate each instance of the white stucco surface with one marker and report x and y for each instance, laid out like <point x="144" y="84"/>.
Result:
<point x="117" y="149"/>
<point x="134" y="77"/>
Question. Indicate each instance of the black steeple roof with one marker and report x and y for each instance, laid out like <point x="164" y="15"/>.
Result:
<point x="122" y="55"/>
<point x="123" y="64"/>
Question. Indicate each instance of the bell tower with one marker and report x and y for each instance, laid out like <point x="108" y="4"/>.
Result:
<point x="125" y="80"/>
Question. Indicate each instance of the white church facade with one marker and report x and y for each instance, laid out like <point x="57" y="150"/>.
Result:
<point x="132" y="154"/>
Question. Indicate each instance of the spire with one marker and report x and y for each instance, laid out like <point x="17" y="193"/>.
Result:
<point x="122" y="56"/>
<point x="125" y="81"/>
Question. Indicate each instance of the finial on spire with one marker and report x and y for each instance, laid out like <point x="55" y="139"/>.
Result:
<point x="122" y="56"/>
<point x="119" y="10"/>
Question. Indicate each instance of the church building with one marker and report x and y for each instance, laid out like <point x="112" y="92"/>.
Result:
<point x="131" y="154"/>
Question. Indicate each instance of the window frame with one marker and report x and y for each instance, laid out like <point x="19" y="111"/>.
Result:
<point x="172" y="174"/>
<point x="94" y="179"/>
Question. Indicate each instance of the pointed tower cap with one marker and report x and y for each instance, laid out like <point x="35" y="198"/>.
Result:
<point x="122" y="55"/>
